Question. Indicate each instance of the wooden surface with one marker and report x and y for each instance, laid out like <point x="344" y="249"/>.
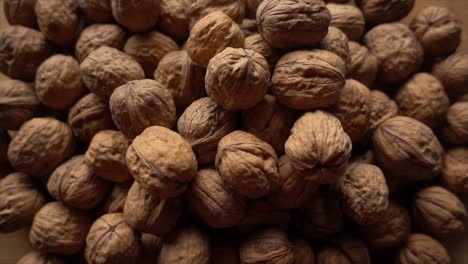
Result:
<point x="13" y="246"/>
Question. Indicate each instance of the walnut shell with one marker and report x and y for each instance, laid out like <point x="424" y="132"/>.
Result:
<point x="455" y="131"/>
<point x="197" y="9"/>
<point x="112" y="240"/>
<point x="408" y="149"/>
<point x="136" y="16"/>
<point x="455" y="170"/>
<point x="308" y="79"/>
<point x="337" y="42"/>
<point x="173" y="20"/>
<point x="363" y="65"/>
<point x="249" y="27"/>
<point x="303" y="253"/>
<point x="293" y="23"/>
<point x="97" y="10"/>
<point x="262" y="214"/>
<point x="34" y="257"/>
<point x="420" y="249"/>
<point x="151" y="245"/>
<point x="397" y="50"/>
<point x="384" y="11"/>
<point x="20" y="12"/>
<point x="453" y="73"/>
<point x="349" y="19"/>
<point x="258" y="44"/>
<point x="40" y="146"/>
<point x="107" y="68"/>
<point x="267" y="246"/>
<point x="19" y="103"/>
<point x="344" y="249"/>
<point x="114" y="203"/>
<point x="162" y="161"/>
<point x="211" y="35"/>
<point x="133" y="105"/>
<point x="59" y="229"/>
<point x="319" y="144"/>
<point x="382" y="108"/>
<point x="331" y="255"/>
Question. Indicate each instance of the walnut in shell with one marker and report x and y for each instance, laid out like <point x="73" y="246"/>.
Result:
<point x="33" y="257"/>
<point x="262" y="214"/>
<point x="197" y="9"/>
<point x="337" y="42"/>
<point x="348" y="19"/>
<point x="384" y="11"/>
<point x="267" y="246"/>
<point x="18" y="103"/>
<point x="344" y="249"/>
<point x="455" y="130"/>
<point x="20" y="12"/>
<point x="97" y="10"/>
<point x="420" y="248"/>
<point x="453" y="73"/>
<point x="136" y="16"/>
<point x="455" y="170"/>
<point x="114" y="203"/>
<point x="173" y="20"/>
<point x="303" y="253"/>
<point x="151" y="245"/>
<point x="382" y="108"/>
<point x="363" y="65"/>
<point x="258" y="44"/>
<point x="249" y="27"/>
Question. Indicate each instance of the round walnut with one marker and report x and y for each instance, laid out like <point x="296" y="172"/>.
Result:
<point x="384" y="11"/>
<point x="455" y="131"/>
<point x="420" y="248"/>
<point x="318" y="144"/>
<point x="59" y="229"/>
<point x="173" y="20"/>
<point x="112" y="240"/>
<point x="267" y="246"/>
<point x="18" y="103"/>
<point x="348" y="19"/>
<point x="397" y="50"/>
<point x="34" y="257"/>
<point x="98" y="11"/>
<point x="453" y="73"/>
<point x="211" y="35"/>
<point x="337" y="42"/>
<point x="20" y="200"/>
<point x="346" y="250"/>
<point x="108" y="68"/>
<point x="40" y="146"/>
<point x="303" y="253"/>
<point x="89" y="116"/>
<point x="58" y="82"/>
<point x="248" y="164"/>
<point x="439" y="212"/>
<point x="75" y="184"/>
<point x="262" y="214"/>
<point x="136" y="16"/>
<point x="115" y="202"/>
<point x="249" y="27"/>
<point x="455" y="170"/>
<point x="22" y="50"/>
<point x="20" y="12"/>
<point x="214" y="201"/>
<point x="423" y="98"/>
<point x="98" y="35"/>
<point x="363" y="65"/>
<point x="197" y="9"/>
<point x="258" y="44"/>
<point x="106" y="156"/>
<point x="203" y="124"/>
<point x="162" y="161"/>
<point x="177" y="73"/>
<point x="293" y="23"/>
<point x="381" y="108"/>
<point x="408" y="149"/>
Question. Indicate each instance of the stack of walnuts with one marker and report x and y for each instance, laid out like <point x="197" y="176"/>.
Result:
<point x="233" y="131"/>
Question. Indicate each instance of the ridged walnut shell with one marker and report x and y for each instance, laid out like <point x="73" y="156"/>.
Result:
<point x="363" y="65"/>
<point x="173" y="20"/>
<point x="20" y="12"/>
<point x="35" y="257"/>
<point x="384" y="11"/>
<point x="262" y="214"/>
<point x="348" y="19"/>
<point x="455" y="131"/>
<point x="453" y="73"/>
<point x="258" y="44"/>
<point x="115" y="202"/>
<point x="136" y="16"/>
<point x="267" y="246"/>
<point x="197" y="9"/>
<point x="455" y="171"/>
<point x="382" y="108"/>
<point x="420" y="249"/>
<point x="97" y="10"/>
<point x="336" y="42"/>
<point x="18" y="103"/>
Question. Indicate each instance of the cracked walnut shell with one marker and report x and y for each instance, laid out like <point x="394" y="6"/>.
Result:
<point x="420" y="248"/>
<point x="197" y="9"/>
<point x="348" y="19"/>
<point x="267" y="246"/>
<point x="18" y="103"/>
<point x="20" y="12"/>
<point x="136" y="16"/>
<point x="455" y="170"/>
<point x="384" y="11"/>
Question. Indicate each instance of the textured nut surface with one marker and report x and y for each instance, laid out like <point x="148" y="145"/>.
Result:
<point x="97" y="10"/>
<point x="303" y="253"/>
<point x="382" y="108"/>
<point x="383" y="11"/>
<point x="337" y="42"/>
<point x="151" y="245"/>
<point x="267" y="246"/>
<point x="18" y="103"/>
<point x="197" y="9"/>
<point x="173" y="20"/>
<point x="455" y="170"/>
<point x="258" y="44"/>
<point x="249" y="27"/>
<point x="455" y="130"/>
<point x="453" y="73"/>
<point x="352" y="247"/>
<point x="420" y="249"/>
<point x="114" y="203"/>
<point x="262" y="214"/>
<point x="136" y="15"/>
<point x="363" y="65"/>
<point x="34" y="257"/>
<point x="348" y="19"/>
<point x="20" y="12"/>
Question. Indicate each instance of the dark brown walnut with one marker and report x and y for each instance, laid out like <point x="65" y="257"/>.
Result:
<point x="173" y="20"/>
<point x="106" y="156"/>
<point x="186" y="245"/>
<point x="18" y="103"/>
<point x="4" y="163"/>
<point x="453" y="73"/>
<point x="392" y="230"/>
<point x="58" y="82"/>
<point x="40" y="146"/>
<point x="455" y="130"/>
<point x="162" y="161"/>
<point x="237" y="78"/>
<point x="261" y="213"/>
<point x="308" y="79"/>
<point x="293" y="23"/>
<point x="178" y="74"/>
<point x="384" y="11"/>
<point x="20" y="12"/>
<point x="97" y="10"/>
<point x="136" y="16"/>
<point x="248" y="164"/>
<point x="36" y="257"/>
<point x="203" y="124"/>
<point x="249" y="27"/>
<point x="348" y="19"/>
<point x="303" y="253"/>
<point x="114" y="203"/>
<point x="20" y="200"/>
<point x="89" y="116"/>
<point x="331" y="255"/>
<point x="112" y="240"/>
<point x="455" y="170"/>
<point x="98" y="35"/>
<point x="197" y="9"/>
<point x="267" y="246"/>
<point x="424" y="99"/>
<point x="439" y="212"/>
<point x="258" y="44"/>
<point x="408" y="149"/>
<point x="75" y="184"/>
<point x="214" y="201"/>
<point x="22" y="50"/>
<point x="344" y="249"/>
<point x="151" y="245"/>
<point x="337" y="42"/>
<point x="319" y="145"/>
<point x="211" y="35"/>
<point x="363" y="65"/>
<point x="382" y="108"/>
<point x="251" y="7"/>
<point x="397" y="50"/>
<point x="59" y="20"/>
<point x="420" y="249"/>
<point x="59" y="229"/>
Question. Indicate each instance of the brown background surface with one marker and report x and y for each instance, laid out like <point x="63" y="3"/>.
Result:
<point x="13" y="246"/>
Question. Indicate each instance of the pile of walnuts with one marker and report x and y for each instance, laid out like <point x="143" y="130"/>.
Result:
<point x="233" y="131"/>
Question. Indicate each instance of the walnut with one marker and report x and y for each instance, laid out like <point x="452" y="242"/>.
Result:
<point x="59" y="229"/>
<point x="89" y="116"/>
<point x="453" y="73"/>
<point x="337" y="42"/>
<point x="18" y="103"/>
<point x="455" y="170"/>
<point x="114" y="203"/>
<point x="382" y="108"/>
<point x="162" y="161"/>
<point x="363" y="65"/>
<point x="260" y="214"/>
<point x="348" y="19"/>
<point x="20" y="12"/>
<point x="344" y="249"/>
<point x="251" y="7"/>
<point x="397" y="50"/>
<point x="96" y="36"/>
<point x="249" y="27"/>
<point x="423" y="98"/>
<point x="214" y="201"/>
<point x="384" y="11"/>
<point x="331" y="255"/>
<point x="303" y="253"/>
<point x="173" y="20"/>
<point x="211" y="35"/>
<point x="293" y="23"/>
<point x="112" y="240"/>
<point x="420" y="248"/>
<point x="408" y="149"/>
<point x="75" y="184"/>
<point x="439" y="212"/>
<point x="34" y="257"/>
<point x="197" y="9"/>
<point x="308" y="79"/>
<point x="40" y="146"/>
<point x="136" y="16"/>
<point x="97" y="10"/>
<point x="267" y="246"/>
<point x="455" y="131"/>
<point x="106" y="156"/>
<point x="178" y="74"/>
<point x="20" y="200"/>
<point x="203" y="124"/>
<point x="22" y="50"/>
<point x="151" y="245"/>
<point x="318" y="144"/>
<point x="258" y="44"/>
